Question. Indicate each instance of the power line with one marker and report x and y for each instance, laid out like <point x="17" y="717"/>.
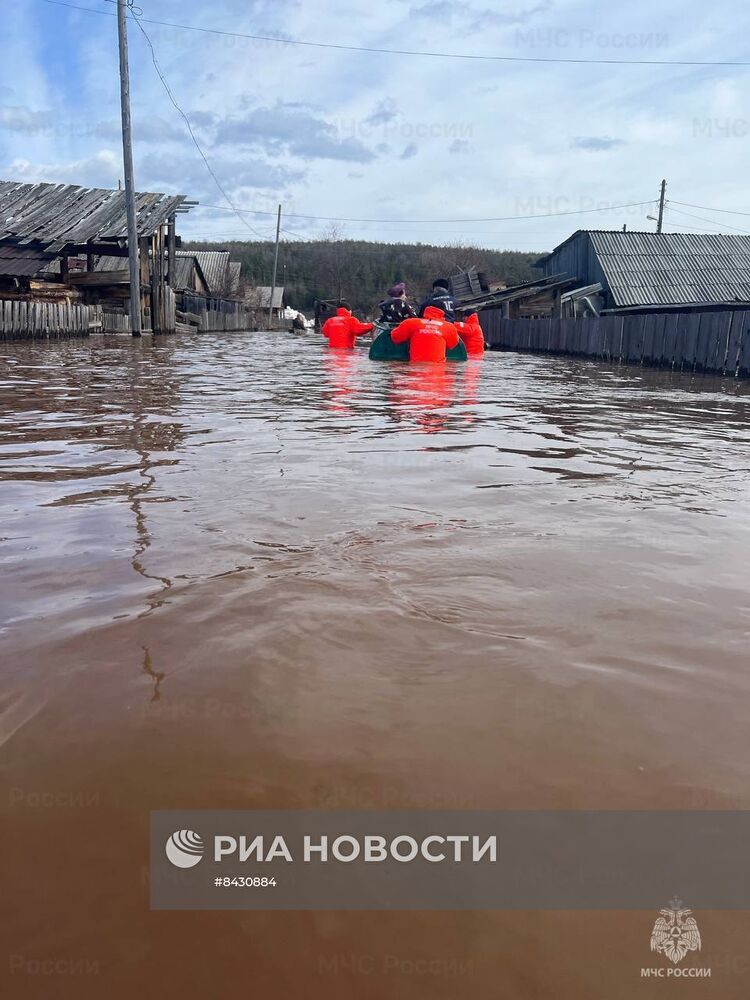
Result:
<point x="705" y="208"/>
<point x="474" y="57"/>
<point x="296" y="236"/>
<point x="431" y="222"/>
<point x="685" y="228"/>
<point x="185" y="118"/>
<point x="702" y="218"/>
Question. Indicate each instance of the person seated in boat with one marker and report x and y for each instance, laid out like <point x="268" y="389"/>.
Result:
<point x="395" y="309"/>
<point x="298" y="322"/>
<point x="472" y="334"/>
<point x="441" y="298"/>
<point x="343" y="328"/>
<point x="429" y="336"/>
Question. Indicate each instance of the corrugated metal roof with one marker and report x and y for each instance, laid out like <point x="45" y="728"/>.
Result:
<point x="215" y="267"/>
<point x="19" y="261"/>
<point x="183" y="271"/>
<point x="56" y="215"/>
<point x="666" y="268"/>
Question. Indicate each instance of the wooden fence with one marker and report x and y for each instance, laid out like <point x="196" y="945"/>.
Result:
<point x="115" y="322"/>
<point x="712" y="341"/>
<point x="36" y="320"/>
<point x="210" y="314"/>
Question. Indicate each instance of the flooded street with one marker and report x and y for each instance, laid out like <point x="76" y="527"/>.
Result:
<point x="241" y="572"/>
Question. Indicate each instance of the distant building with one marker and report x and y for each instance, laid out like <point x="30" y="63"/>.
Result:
<point x="222" y="275"/>
<point x="655" y="269"/>
<point x="260" y="298"/>
<point x="188" y="275"/>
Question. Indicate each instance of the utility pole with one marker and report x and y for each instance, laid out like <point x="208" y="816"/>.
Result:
<point x="660" y="220"/>
<point x="127" y="158"/>
<point x="275" y="266"/>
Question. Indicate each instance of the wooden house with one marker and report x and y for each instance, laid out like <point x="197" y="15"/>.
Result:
<point x="52" y="237"/>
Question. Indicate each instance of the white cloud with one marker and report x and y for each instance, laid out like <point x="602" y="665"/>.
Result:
<point x="100" y="170"/>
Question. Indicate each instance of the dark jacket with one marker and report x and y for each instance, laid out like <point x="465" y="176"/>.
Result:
<point x="395" y="311"/>
<point x="440" y="299"/>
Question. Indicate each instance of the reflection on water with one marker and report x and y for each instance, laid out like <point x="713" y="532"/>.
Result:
<point x="240" y="571"/>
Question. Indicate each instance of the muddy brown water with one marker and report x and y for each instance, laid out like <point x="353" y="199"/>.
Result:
<point x="241" y="572"/>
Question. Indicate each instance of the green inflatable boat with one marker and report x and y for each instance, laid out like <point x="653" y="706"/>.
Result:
<point x="383" y="348"/>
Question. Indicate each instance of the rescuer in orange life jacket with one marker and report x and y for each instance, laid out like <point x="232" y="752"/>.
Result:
<point x="429" y="336"/>
<point x="343" y="328"/>
<point x="472" y="334"/>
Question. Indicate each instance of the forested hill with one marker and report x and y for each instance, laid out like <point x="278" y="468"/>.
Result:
<point x="362" y="272"/>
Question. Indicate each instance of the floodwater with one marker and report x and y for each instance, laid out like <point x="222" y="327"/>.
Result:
<point x="240" y="572"/>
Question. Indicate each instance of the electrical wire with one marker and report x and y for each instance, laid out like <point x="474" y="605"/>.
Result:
<point x="431" y="222"/>
<point x="185" y="118"/>
<point x="705" y="208"/>
<point x="475" y="57"/>
<point x="702" y="218"/>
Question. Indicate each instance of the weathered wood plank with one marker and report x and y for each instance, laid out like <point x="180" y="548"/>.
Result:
<point x="33" y="320"/>
<point x="689" y="328"/>
<point x="740" y="323"/>
<point x="743" y="354"/>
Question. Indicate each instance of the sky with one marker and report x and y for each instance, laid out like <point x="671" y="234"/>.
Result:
<point x="409" y="141"/>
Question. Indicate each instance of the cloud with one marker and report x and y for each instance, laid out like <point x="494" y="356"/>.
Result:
<point x="409" y="151"/>
<point x="157" y="171"/>
<point x="477" y="17"/>
<point x="291" y="128"/>
<point x="144" y="130"/>
<point x="46" y="122"/>
<point x="100" y="170"/>
<point x="385" y="111"/>
<point x="596" y="143"/>
<point x="23" y="119"/>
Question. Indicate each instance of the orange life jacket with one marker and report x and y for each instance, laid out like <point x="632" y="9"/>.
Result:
<point x="429" y="336"/>
<point x="472" y="335"/>
<point x="342" y="329"/>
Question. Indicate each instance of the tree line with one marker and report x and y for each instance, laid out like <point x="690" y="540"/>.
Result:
<point x="360" y="271"/>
